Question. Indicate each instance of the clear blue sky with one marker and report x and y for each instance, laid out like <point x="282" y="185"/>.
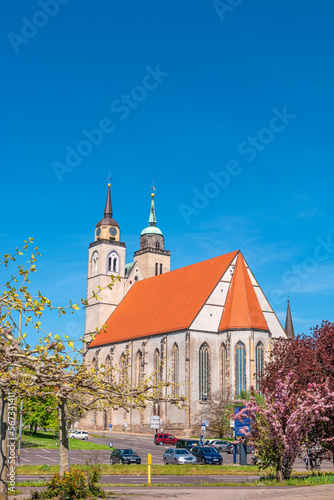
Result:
<point x="228" y="110"/>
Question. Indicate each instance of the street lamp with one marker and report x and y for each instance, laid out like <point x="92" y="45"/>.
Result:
<point x="204" y="398"/>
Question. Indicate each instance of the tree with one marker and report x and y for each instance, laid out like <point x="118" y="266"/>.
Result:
<point x="308" y="359"/>
<point x="218" y="411"/>
<point x="281" y="425"/>
<point x="39" y="412"/>
<point x="47" y="369"/>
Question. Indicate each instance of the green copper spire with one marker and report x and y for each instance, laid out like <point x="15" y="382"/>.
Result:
<point x="152" y="221"/>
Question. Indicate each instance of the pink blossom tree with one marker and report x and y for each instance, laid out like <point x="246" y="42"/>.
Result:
<point x="281" y="424"/>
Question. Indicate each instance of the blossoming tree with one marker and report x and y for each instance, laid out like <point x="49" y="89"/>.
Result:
<point x="281" y="424"/>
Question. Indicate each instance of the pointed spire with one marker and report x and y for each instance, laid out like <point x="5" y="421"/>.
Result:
<point x="108" y="207"/>
<point x="152" y="221"/>
<point x="288" y="323"/>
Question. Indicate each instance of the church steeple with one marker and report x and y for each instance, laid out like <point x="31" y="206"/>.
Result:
<point x="152" y="221"/>
<point x="288" y="324"/>
<point x="152" y="256"/>
<point x="107" y="228"/>
<point x="108" y="207"/>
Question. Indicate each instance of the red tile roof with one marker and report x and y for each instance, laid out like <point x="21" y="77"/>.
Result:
<point x="242" y="308"/>
<point x="165" y="303"/>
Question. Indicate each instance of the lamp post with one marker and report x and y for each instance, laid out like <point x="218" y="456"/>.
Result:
<point x="204" y="398"/>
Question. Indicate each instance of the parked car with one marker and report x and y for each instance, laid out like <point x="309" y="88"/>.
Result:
<point x="79" y="435"/>
<point x="71" y="433"/>
<point x="179" y="456"/>
<point x="187" y="443"/>
<point x="250" y="449"/>
<point x="207" y="455"/>
<point x="164" y="439"/>
<point x="221" y="445"/>
<point x="124" y="456"/>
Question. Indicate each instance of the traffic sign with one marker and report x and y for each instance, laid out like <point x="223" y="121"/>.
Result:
<point x="242" y="425"/>
<point x="154" y="418"/>
<point x="203" y="427"/>
<point x="110" y="427"/>
<point x="154" y="426"/>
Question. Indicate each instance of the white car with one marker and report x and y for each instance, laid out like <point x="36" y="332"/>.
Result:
<point x="78" y="435"/>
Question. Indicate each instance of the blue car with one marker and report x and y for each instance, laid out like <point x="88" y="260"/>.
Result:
<point x="207" y="455"/>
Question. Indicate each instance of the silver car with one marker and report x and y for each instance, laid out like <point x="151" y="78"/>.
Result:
<point x="179" y="456"/>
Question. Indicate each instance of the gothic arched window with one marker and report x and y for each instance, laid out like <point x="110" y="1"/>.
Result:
<point x="156" y="366"/>
<point x="94" y="263"/>
<point x="175" y="370"/>
<point x="160" y="268"/>
<point x="139" y="360"/>
<point x="223" y="360"/>
<point x="240" y="367"/>
<point x="107" y="366"/>
<point x="157" y="245"/>
<point x="122" y="369"/>
<point x="156" y="268"/>
<point x="204" y="372"/>
<point x="258" y="363"/>
<point x="95" y="364"/>
<point x="113" y="262"/>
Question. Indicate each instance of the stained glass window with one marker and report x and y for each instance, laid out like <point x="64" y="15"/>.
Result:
<point x="175" y="369"/>
<point x="223" y="369"/>
<point x="258" y="363"/>
<point x="240" y="367"/>
<point x="204" y="371"/>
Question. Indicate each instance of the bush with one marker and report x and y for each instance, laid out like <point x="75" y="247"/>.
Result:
<point x="74" y="485"/>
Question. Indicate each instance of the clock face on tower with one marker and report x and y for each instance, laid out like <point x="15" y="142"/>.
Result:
<point x="113" y="231"/>
<point x="98" y="231"/>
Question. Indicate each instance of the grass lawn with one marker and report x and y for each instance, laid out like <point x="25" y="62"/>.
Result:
<point x="46" y="440"/>
<point x="156" y="470"/>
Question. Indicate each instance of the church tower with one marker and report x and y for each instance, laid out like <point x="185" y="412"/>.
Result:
<point x="106" y="259"/>
<point x="152" y="256"/>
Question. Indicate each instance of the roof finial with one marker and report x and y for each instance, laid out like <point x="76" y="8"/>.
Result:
<point x="289" y="330"/>
<point x="109" y="180"/>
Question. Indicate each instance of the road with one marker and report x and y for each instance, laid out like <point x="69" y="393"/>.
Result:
<point x="142" y="444"/>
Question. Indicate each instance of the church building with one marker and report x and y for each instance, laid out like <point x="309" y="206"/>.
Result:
<point x="207" y="326"/>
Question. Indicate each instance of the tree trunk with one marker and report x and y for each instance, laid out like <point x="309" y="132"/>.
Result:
<point x="64" y="464"/>
<point x="3" y="445"/>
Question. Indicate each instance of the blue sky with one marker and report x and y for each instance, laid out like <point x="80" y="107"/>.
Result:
<point x="227" y="106"/>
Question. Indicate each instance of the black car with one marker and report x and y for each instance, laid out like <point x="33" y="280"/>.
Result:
<point x="126" y="456"/>
<point x="207" y="455"/>
<point x="187" y="443"/>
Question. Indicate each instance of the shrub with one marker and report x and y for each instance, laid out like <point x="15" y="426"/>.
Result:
<point x="74" y="485"/>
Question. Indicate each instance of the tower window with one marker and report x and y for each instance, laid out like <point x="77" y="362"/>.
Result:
<point x="94" y="263"/>
<point x="156" y="268"/>
<point x="136" y="278"/>
<point x="113" y="262"/>
<point x="160" y="268"/>
<point x="157" y="245"/>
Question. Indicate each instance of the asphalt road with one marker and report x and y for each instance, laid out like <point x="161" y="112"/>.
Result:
<point x="142" y="444"/>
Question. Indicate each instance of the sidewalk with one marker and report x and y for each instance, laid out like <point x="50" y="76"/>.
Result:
<point x="324" y="492"/>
